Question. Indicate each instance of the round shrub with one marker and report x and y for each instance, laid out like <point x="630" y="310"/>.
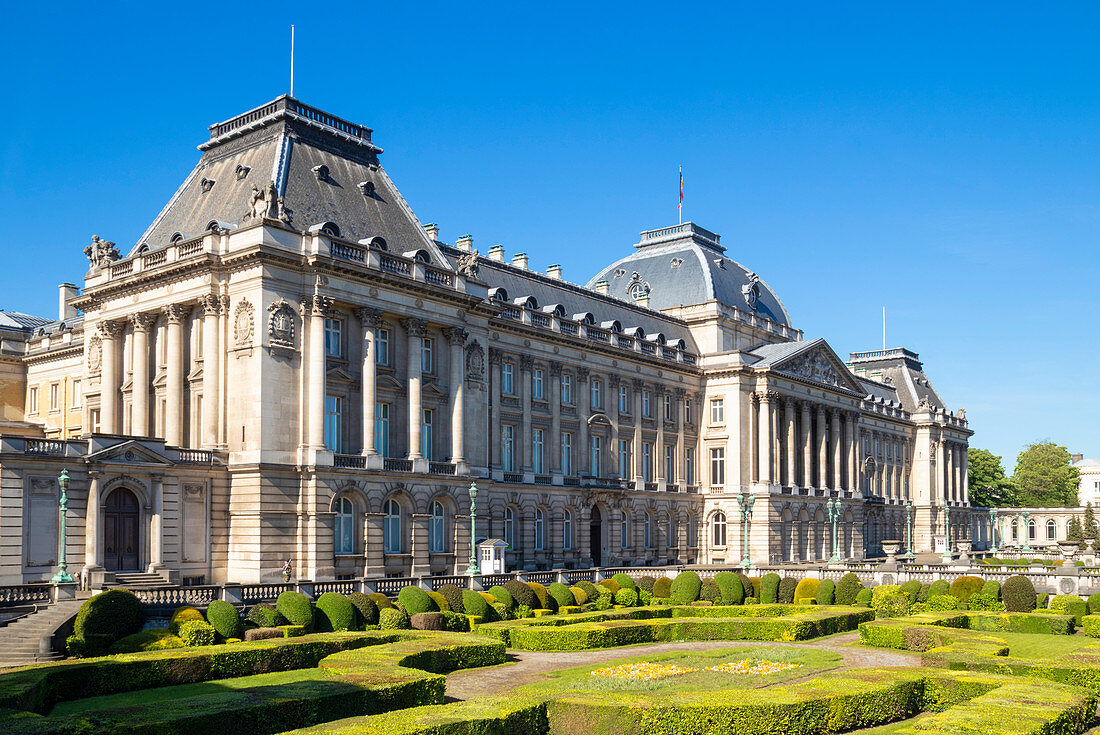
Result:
<point x="645" y="598"/>
<point x="501" y="610"/>
<point x="264" y="615"/>
<point x="964" y="587"/>
<point x="579" y="595"/>
<point x="984" y="601"/>
<point x="710" y="591"/>
<point x="611" y="584"/>
<point x="848" y="589"/>
<point x="746" y="584"/>
<point x="542" y="597"/>
<point x="865" y="597"/>
<point x="1018" y="594"/>
<point x="185" y="613"/>
<point x="646" y="583"/>
<point x="453" y="594"/>
<point x="888" y="601"/>
<point x="825" y="592"/>
<point x="992" y="588"/>
<point x="521" y="594"/>
<point x="1069" y="605"/>
<point x="627" y="596"/>
<point x="155" y="639"/>
<point x="769" y="588"/>
<point x="603" y="602"/>
<point x="752" y="584"/>
<point x="937" y="603"/>
<point x="474" y="604"/>
<point x="787" y="586"/>
<point x="439" y="600"/>
<point x="912" y="589"/>
<point x="296" y="608"/>
<point x="380" y="601"/>
<point x="197" y="633"/>
<point x="366" y="612"/>
<point x="624" y="580"/>
<point x="335" y="612"/>
<point x="590" y="590"/>
<point x="561" y="595"/>
<point x="685" y="588"/>
<point x="662" y="588"/>
<point x="502" y="596"/>
<point x="733" y="592"/>
<point x="416" y="600"/>
<point x="225" y="619"/>
<point x="922" y="596"/>
<point x="806" y="588"/>
<point x="108" y="617"/>
<point x="939" y="587"/>
<point x="1094" y="604"/>
<point x="390" y="618"/>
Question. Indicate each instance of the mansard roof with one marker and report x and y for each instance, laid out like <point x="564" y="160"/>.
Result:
<point x="901" y="369"/>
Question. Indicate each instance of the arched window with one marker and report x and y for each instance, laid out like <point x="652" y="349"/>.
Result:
<point x="1031" y="530"/>
<point x="624" y="530"/>
<point x="345" y="524"/>
<point x="1051" y="530"/>
<point x="540" y="530"/>
<point x="391" y="530"/>
<point x="509" y="528"/>
<point x="1015" y="531"/>
<point x="719" y="526"/>
<point x="567" y="531"/>
<point x="437" y="538"/>
<point x="647" y="532"/>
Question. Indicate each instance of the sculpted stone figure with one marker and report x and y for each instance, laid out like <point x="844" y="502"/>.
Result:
<point x="467" y="264"/>
<point x="101" y="252"/>
<point x="267" y="203"/>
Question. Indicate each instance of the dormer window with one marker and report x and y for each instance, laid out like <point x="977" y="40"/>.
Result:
<point x="619" y="273"/>
<point x="321" y="172"/>
<point x="176" y="237"/>
<point x="207" y="184"/>
<point x="242" y="171"/>
<point x="367" y="187"/>
<point x="677" y="262"/>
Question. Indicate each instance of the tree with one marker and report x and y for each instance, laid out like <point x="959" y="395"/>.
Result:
<point x="1090" y="521"/>
<point x="988" y="484"/>
<point x="1045" y="476"/>
<point x="1076" y="532"/>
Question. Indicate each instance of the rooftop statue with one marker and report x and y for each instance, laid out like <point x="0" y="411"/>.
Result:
<point x="467" y="265"/>
<point x="267" y="204"/>
<point x="101" y="252"/>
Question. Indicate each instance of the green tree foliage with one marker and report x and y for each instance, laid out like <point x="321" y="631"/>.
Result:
<point x="1091" y="528"/>
<point x="1076" y="532"/>
<point x="988" y="484"/>
<point x="1045" y="477"/>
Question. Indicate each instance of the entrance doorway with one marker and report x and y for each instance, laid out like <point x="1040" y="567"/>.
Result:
<point x="596" y="538"/>
<point x="120" y="532"/>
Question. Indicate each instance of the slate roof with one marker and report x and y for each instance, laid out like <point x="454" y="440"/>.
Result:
<point x="902" y="369"/>
<point x="19" y="321"/>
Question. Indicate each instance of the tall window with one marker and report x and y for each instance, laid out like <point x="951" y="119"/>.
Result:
<point x="668" y="407"/>
<point x="334" y="410"/>
<point x="624" y="458"/>
<point x="382" y="346"/>
<point x="624" y="400"/>
<point x="77" y="396"/>
<point x="538" y="445"/>
<point x="333" y="330"/>
<point x="567" y="531"/>
<point x="345" y="523"/>
<point x="426" y="442"/>
<point x="647" y="461"/>
<point x="537" y="384"/>
<point x="1031" y="530"/>
<point x="55" y="396"/>
<point x="507" y="448"/>
<point x="595" y="456"/>
<point x="1015" y="531"/>
<point x="1051" y="530"/>
<point x="507" y="378"/>
<point x="32" y="400"/>
<point x="688" y="411"/>
<point x="392" y="528"/>
<point x="647" y="531"/>
<point x="647" y="408"/>
<point x="382" y="429"/>
<point x="717" y="466"/>
<point x="566" y="453"/>
<point x="719" y="527"/>
<point x="689" y="466"/>
<point x="624" y="530"/>
<point x="717" y="411"/>
<point x="427" y="355"/>
<point x="509" y="528"/>
<point x="669" y="469"/>
<point x="437" y="539"/>
<point x="540" y="530"/>
<point x="566" y="390"/>
<point x="597" y="394"/>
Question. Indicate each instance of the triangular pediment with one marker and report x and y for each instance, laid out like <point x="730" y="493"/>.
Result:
<point x="340" y="375"/>
<point x="433" y="389"/>
<point x="129" y="452"/>
<point x="817" y="363"/>
<point x="389" y="382"/>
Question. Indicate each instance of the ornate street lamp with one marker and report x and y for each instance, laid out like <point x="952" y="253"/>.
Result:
<point x="472" y="568"/>
<point x="1026" y="530"/>
<point x="63" y="576"/>
<point x="909" y="531"/>
<point x="993" y="528"/>
<point x="832" y="510"/>
<point x="947" y="558"/>
<point x="746" y="501"/>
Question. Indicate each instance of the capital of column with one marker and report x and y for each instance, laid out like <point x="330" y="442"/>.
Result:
<point x="638" y="383"/>
<point x="176" y="313"/>
<point x="456" y="335"/>
<point x="317" y="305"/>
<point x="659" y="390"/>
<point x="614" y="380"/>
<point x="582" y="375"/>
<point x="495" y="356"/>
<point x="110" y="329"/>
<point x="555" y="368"/>
<point x="368" y="316"/>
<point x="526" y="362"/>
<point x="680" y="393"/>
<point x="415" y="327"/>
<point x="142" y="321"/>
<point x="210" y="304"/>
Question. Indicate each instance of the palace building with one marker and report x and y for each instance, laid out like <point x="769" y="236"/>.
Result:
<point x="289" y="365"/>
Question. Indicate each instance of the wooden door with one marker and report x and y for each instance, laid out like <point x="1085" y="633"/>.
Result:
<point x="120" y="532"/>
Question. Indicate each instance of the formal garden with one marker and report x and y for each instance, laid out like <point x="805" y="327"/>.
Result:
<point x="728" y="654"/>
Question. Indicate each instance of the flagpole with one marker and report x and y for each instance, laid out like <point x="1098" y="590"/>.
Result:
<point x="292" y="60"/>
<point x="680" y="205"/>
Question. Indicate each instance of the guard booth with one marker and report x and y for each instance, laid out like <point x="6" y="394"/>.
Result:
<point x="491" y="555"/>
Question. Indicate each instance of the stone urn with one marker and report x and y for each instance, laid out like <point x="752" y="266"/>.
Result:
<point x="891" y="547"/>
<point x="964" y="548"/>
<point x="1068" y="550"/>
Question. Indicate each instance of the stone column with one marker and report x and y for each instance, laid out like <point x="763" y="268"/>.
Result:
<point x="659" y="444"/>
<point x="790" y="477"/>
<point x="636" y="445"/>
<point x="554" y="450"/>
<point x="959" y="474"/>
<point x="156" y="526"/>
<point x="853" y="452"/>
<point x="835" y="449"/>
<point x="680" y="457"/>
<point x="414" y="330"/>
<point x="964" y="452"/>
<point x="173" y="387"/>
<point x="211" y="306"/>
<point x="456" y="337"/>
<point x="139" y="407"/>
<point x="764" y="449"/>
<point x="108" y="378"/>
<point x="807" y="448"/>
<point x="369" y="319"/>
<point x="612" y="453"/>
<point x="494" y="409"/>
<point x="584" y="410"/>
<point x="525" y="439"/>
<point x="91" y="525"/>
<point x="822" y="450"/>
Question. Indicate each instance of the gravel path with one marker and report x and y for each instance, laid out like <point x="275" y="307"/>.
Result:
<point x="527" y="667"/>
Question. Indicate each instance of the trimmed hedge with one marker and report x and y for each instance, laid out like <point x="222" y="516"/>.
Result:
<point x="390" y="618"/>
<point x="453" y="594"/>
<point x="769" y="588"/>
<point x="106" y="618"/>
<point x="662" y="588"/>
<point x="941" y="603"/>
<point x="825" y="592"/>
<point x="579" y="595"/>
<point x="335" y="612"/>
<point x="865" y="597"/>
<point x="1070" y="605"/>
<point x="181" y="615"/>
<point x="747" y="584"/>
<point x="502" y="596"/>
<point x="154" y="639"/>
<point x="296" y="608"/>
<point x="381" y="601"/>
<point x="1018" y="594"/>
<point x="624" y="580"/>
<point x="198" y="633"/>
<point x="561" y="595"/>
<point x="521" y="594"/>
<point x="610" y="584"/>
<point x="626" y="596"/>
<point x="710" y="591"/>
<point x="590" y="590"/>
<point x="992" y="588"/>
<point x="264" y="615"/>
<point x="888" y="601"/>
<point x="912" y="590"/>
<point x="415" y="600"/>
<point x="729" y="584"/>
<point x="939" y="587"/>
<point x="366" y="612"/>
<point x="543" y="601"/>
<point x="474" y="604"/>
<point x="963" y="587"/>
<point x="646" y="583"/>
<point x="847" y="589"/>
<point x="685" y="588"/>
<point x="984" y="601"/>
<point x="438" y="600"/>
<point x="224" y="618"/>
<point x="1094" y="603"/>
<point x="787" y="586"/>
<point x="807" y="588"/>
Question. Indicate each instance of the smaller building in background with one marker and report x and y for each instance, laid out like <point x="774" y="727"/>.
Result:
<point x="1044" y="527"/>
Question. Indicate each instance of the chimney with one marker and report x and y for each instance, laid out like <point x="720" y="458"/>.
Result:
<point x="466" y="242"/>
<point x="603" y="287"/>
<point x="65" y="309"/>
<point x="642" y="299"/>
<point x="497" y="253"/>
<point x="1075" y="458"/>
<point x="519" y="260"/>
<point x="554" y="272"/>
<point x="432" y="231"/>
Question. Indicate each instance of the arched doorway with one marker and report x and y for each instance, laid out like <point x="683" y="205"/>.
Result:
<point x="596" y="537"/>
<point x="120" y="532"/>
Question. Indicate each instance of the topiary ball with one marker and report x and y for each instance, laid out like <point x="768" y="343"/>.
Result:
<point x="825" y="592"/>
<point x="1018" y="594"/>
<point x="848" y="589"/>
<point x="502" y="596"/>
<point x="452" y="593"/>
<point x="747" y="585"/>
<point x="440" y="601"/>
<point x="992" y="588"/>
<point x="380" y="601"/>
<point x="646" y="583"/>
<point x="579" y="595"/>
<point x="626" y="596"/>
<point x="182" y="615"/>
<point x="264" y="615"/>
<point x="542" y="597"/>
<point x="787" y="586"/>
<point x="624" y="580"/>
<point x="939" y="587"/>
<point x="335" y="612"/>
<point x="685" y="588"/>
<point x="806" y="588"/>
<point x="108" y="617"/>
<point x="225" y="619"/>
<point x="416" y="600"/>
<point x="296" y="608"/>
<point x="911" y="589"/>
<point x="561" y="594"/>
<point x="474" y="604"/>
<point x="729" y="584"/>
<point x="645" y="598"/>
<point x="366" y="611"/>
<point x="922" y="596"/>
<point x="710" y="592"/>
<point x="864" y="597"/>
<point x="390" y="618"/>
<point x="662" y="588"/>
<point x="963" y="587"/>
<point x="521" y="594"/>
<point x="1093" y="602"/>
<point x="610" y="584"/>
<point x="502" y="612"/>
<point x="590" y="590"/>
<point x="769" y="588"/>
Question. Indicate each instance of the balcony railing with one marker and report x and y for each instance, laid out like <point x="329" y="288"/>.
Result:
<point x="349" y="461"/>
<point x="397" y="465"/>
<point x="441" y="468"/>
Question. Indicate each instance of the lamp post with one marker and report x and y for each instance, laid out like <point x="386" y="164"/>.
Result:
<point x="746" y="501"/>
<point x="993" y="529"/>
<point x="947" y="558"/>
<point x="909" y="531"/>
<point x="832" y="510"/>
<point x="472" y="568"/>
<point x="63" y="576"/>
<point x="1026" y="530"/>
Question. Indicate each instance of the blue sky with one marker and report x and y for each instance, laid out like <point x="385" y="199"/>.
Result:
<point x="938" y="159"/>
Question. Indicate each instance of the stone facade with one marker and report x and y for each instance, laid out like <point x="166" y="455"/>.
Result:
<point x="289" y="365"/>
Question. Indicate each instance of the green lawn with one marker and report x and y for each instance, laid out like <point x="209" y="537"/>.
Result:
<point x="1036" y="645"/>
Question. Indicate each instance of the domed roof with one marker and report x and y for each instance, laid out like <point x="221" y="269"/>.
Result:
<point x="684" y="265"/>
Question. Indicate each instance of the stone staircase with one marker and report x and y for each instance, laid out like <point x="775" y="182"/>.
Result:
<point x="27" y="640"/>
<point x="140" y="581"/>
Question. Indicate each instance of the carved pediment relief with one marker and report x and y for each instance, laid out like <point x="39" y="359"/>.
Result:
<point x="130" y="452"/>
<point x="820" y="365"/>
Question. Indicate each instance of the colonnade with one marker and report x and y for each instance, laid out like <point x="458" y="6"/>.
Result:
<point x="800" y="443"/>
<point x="955" y="472"/>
